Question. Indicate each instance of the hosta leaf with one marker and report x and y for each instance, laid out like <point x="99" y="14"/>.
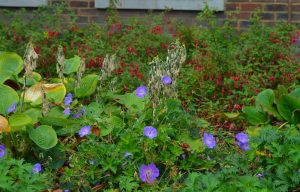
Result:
<point x="288" y="107"/>
<point x="87" y="87"/>
<point x="34" y="114"/>
<point x="296" y="93"/>
<point x="54" y="92"/>
<point x="254" y="116"/>
<point x="72" y="65"/>
<point x="44" y="136"/>
<point x="19" y="120"/>
<point x="132" y="102"/>
<point x="10" y="64"/>
<point x="265" y="99"/>
<point x="4" y="127"/>
<point x="8" y="97"/>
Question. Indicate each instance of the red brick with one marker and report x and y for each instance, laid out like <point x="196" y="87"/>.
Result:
<point x="276" y="7"/>
<point x="79" y="4"/>
<point x="87" y="12"/>
<point x="295" y="8"/>
<point x="250" y="7"/>
<point x="231" y="6"/>
<point x="243" y="16"/>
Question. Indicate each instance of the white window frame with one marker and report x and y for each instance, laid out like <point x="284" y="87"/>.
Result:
<point x="185" y="5"/>
<point x="22" y="3"/>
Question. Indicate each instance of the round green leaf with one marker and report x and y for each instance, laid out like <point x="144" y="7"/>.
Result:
<point x="18" y="121"/>
<point x="72" y="65"/>
<point x="8" y="97"/>
<point x="87" y="87"/>
<point x="254" y="116"/>
<point x="265" y="99"/>
<point x="10" y="64"/>
<point x="44" y="136"/>
<point x="34" y="114"/>
<point x="288" y="107"/>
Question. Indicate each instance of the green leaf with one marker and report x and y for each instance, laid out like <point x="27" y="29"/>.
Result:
<point x="72" y="65"/>
<point x="34" y="114"/>
<point x="36" y="77"/>
<point x="8" y="97"/>
<point x="94" y="110"/>
<point x="44" y="136"/>
<point x="195" y="144"/>
<point x="288" y="107"/>
<point x="265" y="99"/>
<point x="57" y="121"/>
<point x="87" y="87"/>
<point x="10" y="64"/>
<point x="19" y="120"/>
<point x="231" y="115"/>
<point x="69" y="130"/>
<point x="296" y="93"/>
<point x="254" y="116"/>
<point x="132" y="102"/>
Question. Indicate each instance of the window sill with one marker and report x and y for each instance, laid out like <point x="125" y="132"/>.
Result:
<point x="185" y="5"/>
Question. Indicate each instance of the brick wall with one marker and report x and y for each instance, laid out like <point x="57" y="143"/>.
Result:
<point x="271" y="11"/>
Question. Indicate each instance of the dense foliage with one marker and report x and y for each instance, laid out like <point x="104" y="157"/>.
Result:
<point x="147" y="104"/>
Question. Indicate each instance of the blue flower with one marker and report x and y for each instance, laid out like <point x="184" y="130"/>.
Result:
<point x="68" y="99"/>
<point x="242" y="137"/>
<point x="127" y="154"/>
<point x="166" y="80"/>
<point x="92" y="162"/>
<point x="66" y="190"/>
<point x="149" y="173"/>
<point x="243" y="141"/>
<point x="244" y="146"/>
<point x="12" y="108"/>
<point x="2" y="151"/>
<point x="85" y="130"/>
<point x="209" y="140"/>
<point x="141" y="91"/>
<point x="150" y="132"/>
<point x="260" y="175"/>
<point x="37" y="168"/>
<point x="67" y="111"/>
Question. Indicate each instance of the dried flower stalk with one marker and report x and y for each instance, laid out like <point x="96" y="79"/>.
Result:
<point x="80" y="72"/>
<point x="45" y="103"/>
<point x="171" y="67"/>
<point x="30" y="59"/>
<point x="60" y="65"/>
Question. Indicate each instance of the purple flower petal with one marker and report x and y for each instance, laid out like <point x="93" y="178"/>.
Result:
<point x="12" y="108"/>
<point x="127" y="154"/>
<point x="209" y="140"/>
<point x="150" y="132"/>
<point x="141" y="91"/>
<point x="37" y="168"/>
<point x="244" y="146"/>
<point x="149" y="173"/>
<point x="242" y="137"/>
<point x="68" y="99"/>
<point x="84" y="131"/>
<point x="166" y="80"/>
<point x="2" y="151"/>
<point x="67" y="111"/>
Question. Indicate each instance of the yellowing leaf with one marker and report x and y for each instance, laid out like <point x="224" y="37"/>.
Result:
<point x="4" y="127"/>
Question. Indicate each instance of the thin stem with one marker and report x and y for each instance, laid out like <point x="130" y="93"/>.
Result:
<point x="24" y="89"/>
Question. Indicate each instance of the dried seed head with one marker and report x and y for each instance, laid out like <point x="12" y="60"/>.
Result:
<point x="171" y="67"/>
<point x="45" y="103"/>
<point x="81" y="71"/>
<point x="30" y="58"/>
<point x="60" y="65"/>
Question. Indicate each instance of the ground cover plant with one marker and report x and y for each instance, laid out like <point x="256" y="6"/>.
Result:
<point x="148" y="105"/>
